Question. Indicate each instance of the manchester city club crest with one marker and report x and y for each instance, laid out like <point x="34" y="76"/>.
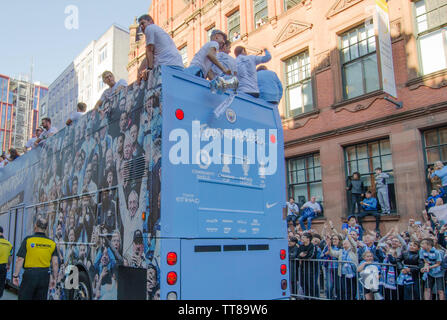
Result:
<point x="231" y="115"/>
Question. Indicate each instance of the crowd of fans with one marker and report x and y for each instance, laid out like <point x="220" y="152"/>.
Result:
<point x="357" y="263"/>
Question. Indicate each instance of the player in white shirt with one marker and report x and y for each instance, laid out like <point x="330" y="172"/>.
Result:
<point x="114" y="87"/>
<point x="246" y="70"/>
<point x="81" y="107"/>
<point x="225" y="59"/>
<point x="205" y="58"/>
<point x="30" y="144"/>
<point x="160" y="48"/>
<point x="49" y="131"/>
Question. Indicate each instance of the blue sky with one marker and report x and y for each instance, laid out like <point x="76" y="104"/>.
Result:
<point x="33" y="29"/>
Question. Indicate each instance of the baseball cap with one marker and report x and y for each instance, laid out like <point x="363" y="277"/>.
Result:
<point x="217" y="31"/>
<point x="352" y="216"/>
<point x="138" y="236"/>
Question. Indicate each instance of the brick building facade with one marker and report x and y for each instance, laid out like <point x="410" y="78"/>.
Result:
<point x="335" y="115"/>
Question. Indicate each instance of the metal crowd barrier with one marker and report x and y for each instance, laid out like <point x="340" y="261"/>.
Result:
<point x="319" y="279"/>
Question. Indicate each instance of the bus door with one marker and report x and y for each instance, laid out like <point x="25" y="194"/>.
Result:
<point x="15" y="234"/>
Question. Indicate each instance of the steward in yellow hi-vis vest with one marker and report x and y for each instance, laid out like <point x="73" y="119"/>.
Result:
<point x="36" y="254"/>
<point x="5" y="260"/>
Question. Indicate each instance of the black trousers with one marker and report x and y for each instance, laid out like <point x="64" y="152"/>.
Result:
<point x="356" y="198"/>
<point x="35" y="283"/>
<point x="2" y="278"/>
<point x="366" y="213"/>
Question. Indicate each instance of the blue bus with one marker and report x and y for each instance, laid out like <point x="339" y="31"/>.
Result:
<point x="153" y="197"/>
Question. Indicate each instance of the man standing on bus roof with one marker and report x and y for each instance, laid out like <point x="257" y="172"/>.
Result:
<point x="246" y="70"/>
<point x="160" y="48"/>
<point x="36" y="254"/>
<point x="269" y="85"/>
<point x="109" y="79"/>
<point x="5" y="260"/>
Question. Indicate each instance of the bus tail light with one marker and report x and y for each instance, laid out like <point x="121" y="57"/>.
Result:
<point x="282" y="254"/>
<point x="172" y="278"/>
<point x="179" y="114"/>
<point x="171" y="258"/>
<point x="284" y="284"/>
<point x="283" y="269"/>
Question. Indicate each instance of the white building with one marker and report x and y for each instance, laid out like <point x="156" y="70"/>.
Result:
<point x="81" y="81"/>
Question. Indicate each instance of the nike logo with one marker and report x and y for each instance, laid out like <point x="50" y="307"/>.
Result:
<point x="268" y="206"/>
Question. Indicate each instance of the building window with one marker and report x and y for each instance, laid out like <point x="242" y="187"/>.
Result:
<point x="260" y="10"/>
<point x="102" y="54"/>
<point x="298" y="85"/>
<point x="209" y="30"/>
<point x="291" y="3"/>
<point x="431" y="23"/>
<point x="435" y="145"/>
<point x="365" y="158"/>
<point x="4" y="91"/>
<point x="304" y="178"/>
<point x="359" y="61"/>
<point x="234" y="26"/>
<point x="4" y="116"/>
<point x="435" y="149"/>
<point x="184" y="53"/>
<point x="100" y="84"/>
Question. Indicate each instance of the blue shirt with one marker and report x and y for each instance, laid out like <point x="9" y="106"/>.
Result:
<point x="442" y="174"/>
<point x="372" y="204"/>
<point x="355" y="228"/>
<point x="270" y="87"/>
<point x="432" y="200"/>
<point x="246" y="71"/>
<point x="432" y="257"/>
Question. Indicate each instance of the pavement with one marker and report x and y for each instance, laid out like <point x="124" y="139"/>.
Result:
<point x="9" y="295"/>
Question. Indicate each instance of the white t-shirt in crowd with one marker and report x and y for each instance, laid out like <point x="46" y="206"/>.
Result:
<point x="315" y="206"/>
<point x="165" y="51"/>
<point x="110" y="91"/>
<point x="291" y="207"/>
<point x="201" y="60"/>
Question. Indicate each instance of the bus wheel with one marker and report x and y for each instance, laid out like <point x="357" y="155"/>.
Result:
<point x="84" y="291"/>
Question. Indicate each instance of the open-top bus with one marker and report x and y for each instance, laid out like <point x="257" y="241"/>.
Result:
<point x="153" y="197"/>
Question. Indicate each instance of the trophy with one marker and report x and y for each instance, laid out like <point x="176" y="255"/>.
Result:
<point x="221" y="84"/>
